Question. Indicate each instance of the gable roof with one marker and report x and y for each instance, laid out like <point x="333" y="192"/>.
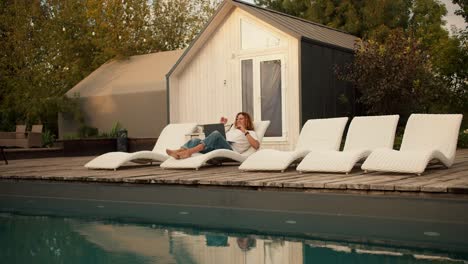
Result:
<point x="299" y="27"/>
<point x="141" y="73"/>
<point x="294" y="26"/>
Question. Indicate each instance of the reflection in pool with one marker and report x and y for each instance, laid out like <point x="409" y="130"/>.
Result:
<point x="37" y="239"/>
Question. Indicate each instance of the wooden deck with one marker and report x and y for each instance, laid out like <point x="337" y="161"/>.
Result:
<point x="435" y="180"/>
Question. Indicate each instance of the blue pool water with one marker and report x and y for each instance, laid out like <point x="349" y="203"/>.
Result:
<point x="61" y="222"/>
<point x="49" y="239"/>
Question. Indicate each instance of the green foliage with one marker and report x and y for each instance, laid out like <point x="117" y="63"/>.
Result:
<point x="87" y="132"/>
<point x="463" y="139"/>
<point x="177" y="22"/>
<point x="394" y="77"/>
<point x="398" y="137"/>
<point x="293" y="7"/>
<point x="47" y="47"/>
<point x="91" y="132"/>
<point x="48" y="138"/>
<point x="70" y="136"/>
<point x="115" y="130"/>
<point x="365" y="19"/>
<point x="345" y="104"/>
<point x="105" y="135"/>
<point x="463" y="11"/>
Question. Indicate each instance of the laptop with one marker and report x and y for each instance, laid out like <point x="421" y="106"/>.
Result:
<point x="210" y="128"/>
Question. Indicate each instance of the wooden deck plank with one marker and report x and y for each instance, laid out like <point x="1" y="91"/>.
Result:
<point x="415" y="184"/>
<point x="442" y="186"/>
<point x="435" y="179"/>
<point x="380" y="184"/>
<point x="149" y="179"/>
<point x="242" y="179"/>
<point x="196" y="177"/>
<point x="176" y="176"/>
<point x="271" y="179"/>
<point x="222" y="180"/>
<point x="314" y="180"/>
<point x="307" y="177"/>
<point x="319" y="181"/>
<point x="412" y="182"/>
<point x="366" y="183"/>
<point x="280" y="181"/>
<point x="342" y="183"/>
<point x="459" y="189"/>
<point x="207" y="178"/>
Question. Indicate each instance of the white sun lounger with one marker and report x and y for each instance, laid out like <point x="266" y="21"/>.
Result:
<point x="365" y="134"/>
<point x="316" y="134"/>
<point x="198" y="160"/>
<point x="172" y="136"/>
<point x="427" y="137"/>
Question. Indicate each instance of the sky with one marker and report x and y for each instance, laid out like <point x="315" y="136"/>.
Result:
<point x="451" y="18"/>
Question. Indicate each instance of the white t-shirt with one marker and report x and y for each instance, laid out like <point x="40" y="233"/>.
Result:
<point x="238" y="140"/>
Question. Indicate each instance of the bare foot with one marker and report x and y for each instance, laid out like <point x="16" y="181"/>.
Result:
<point x="184" y="154"/>
<point x="172" y="153"/>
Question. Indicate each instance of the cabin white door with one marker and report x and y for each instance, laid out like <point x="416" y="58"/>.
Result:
<point x="263" y="92"/>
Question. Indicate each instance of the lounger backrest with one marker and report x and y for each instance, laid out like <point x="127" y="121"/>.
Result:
<point x="20" y="128"/>
<point x="371" y="132"/>
<point x="173" y="136"/>
<point x="260" y="128"/>
<point x="322" y="134"/>
<point x="36" y="129"/>
<point x="20" y="132"/>
<point x="432" y="132"/>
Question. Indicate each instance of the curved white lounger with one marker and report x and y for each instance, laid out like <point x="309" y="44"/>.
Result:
<point x="427" y="137"/>
<point x="365" y="134"/>
<point x="172" y="136"/>
<point x="316" y="134"/>
<point x="199" y="160"/>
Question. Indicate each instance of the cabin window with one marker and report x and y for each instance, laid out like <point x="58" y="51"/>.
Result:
<point x="270" y="94"/>
<point x="263" y="92"/>
<point x="254" y="37"/>
<point x="247" y="86"/>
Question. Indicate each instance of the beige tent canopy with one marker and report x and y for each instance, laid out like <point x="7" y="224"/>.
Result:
<point x="131" y="92"/>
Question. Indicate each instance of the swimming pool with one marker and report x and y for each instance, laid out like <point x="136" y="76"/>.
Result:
<point x="40" y="239"/>
<point x="93" y="223"/>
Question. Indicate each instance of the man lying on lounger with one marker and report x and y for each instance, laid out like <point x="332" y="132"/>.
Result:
<point x="239" y="138"/>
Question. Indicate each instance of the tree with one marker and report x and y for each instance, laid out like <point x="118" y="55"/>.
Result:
<point x="48" y="46"/>
<point x="366" y="19"/>
<point x="120" y="28"/>
<point x="464" y="9"/>
<point x="395" y="77"/>
<point x="296" y="8"/>
<point x="427" y="22"/>
<point x="177" y="22"/>
<point x="21" y="36"/>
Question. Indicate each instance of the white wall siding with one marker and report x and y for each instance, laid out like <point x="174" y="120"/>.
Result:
<point x="203" y="95"/>
<point x="197" y="89"/>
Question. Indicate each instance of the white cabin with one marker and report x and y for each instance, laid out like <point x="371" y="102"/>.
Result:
<point x="251" y="59"/>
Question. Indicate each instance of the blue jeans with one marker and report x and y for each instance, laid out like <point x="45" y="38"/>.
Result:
<point x="214" y="141"/>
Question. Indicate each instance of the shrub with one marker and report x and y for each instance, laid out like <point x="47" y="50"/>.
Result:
<point x="48" y="138"/>
<point x="115" y="130"/>
<point x="398" y="137"/>
<point x="463" y="138"/>
<point x="70" y="136"/>
<point x="87" y="132"/>
<point x="394" y="77"/>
